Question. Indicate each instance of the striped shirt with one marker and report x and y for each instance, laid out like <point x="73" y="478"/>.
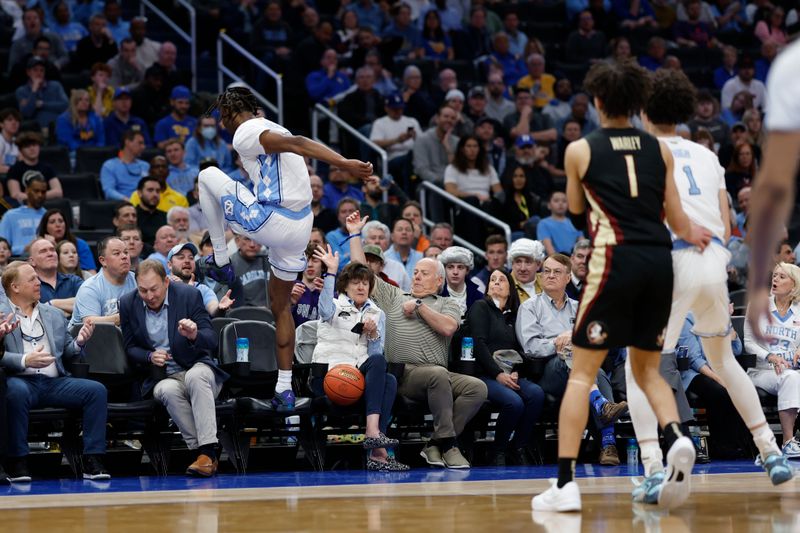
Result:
<point x="411" y="340"/>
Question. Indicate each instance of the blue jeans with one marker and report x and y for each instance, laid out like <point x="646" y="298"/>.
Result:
<point x="519" y="411"/>
<point x="379" y="391"/>
<point x="554" y="383"/>
<point x="30" y="392"/>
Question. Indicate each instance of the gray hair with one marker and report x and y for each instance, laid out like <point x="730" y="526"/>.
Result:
<point x="373" y="225"/>
<point x="411" y="69"/>
<point x="582" y="244"/>
<point x="176" y="210"/>
<point x="443" y="225"/>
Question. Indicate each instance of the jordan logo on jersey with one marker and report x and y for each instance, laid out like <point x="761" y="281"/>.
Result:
<point x="627" y="143"/>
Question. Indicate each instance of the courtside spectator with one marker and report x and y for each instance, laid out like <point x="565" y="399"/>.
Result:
<point x="306" y="290"/>
<point x="560" y="107"/>
<point x="486" y="130"/>
<point x="166" y="325"/>
<point x="403" y="28"/>
<point x="101" y="93"/>
<point x="557" y="232"/>
<point x="338" y="188"/>
<point x="378" y="234"/>
<point x="98" y="297"/>
<point x="376" y="261"/>
<point x="526" y="258"/>
<point x="436" y="43"/>
<point x="338" y="238"/>
<point x="120" y="176"/>
<point x="580" y="267"/>
<point x="253" y="271"/>
<point x="458" y="263"/>
<point x="726" y="71"/>
<point x="167" y="59"/>
<point x="517" y="39"/>
<point x="463" y="125"/>
<point x="496" y="254"/>
<point x="34" y="359"/>
<point x="383" y="78"/>
<point x="182" y="269"/>
<point x="412" y="210"/>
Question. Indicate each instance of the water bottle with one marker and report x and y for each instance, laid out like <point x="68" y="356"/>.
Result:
<point x="242" y="350"/>
<point x="292" y="425"/>
<point x="466" y="349"/>
<point x="633" y="455"/>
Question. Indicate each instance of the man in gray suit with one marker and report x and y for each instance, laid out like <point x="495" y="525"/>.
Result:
<point x="34" y="354"/>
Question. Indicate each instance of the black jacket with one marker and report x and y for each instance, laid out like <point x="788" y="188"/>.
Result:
<point x="491" y="329"/>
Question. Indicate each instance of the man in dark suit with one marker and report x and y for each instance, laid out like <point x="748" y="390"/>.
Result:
<point x="580" y="260"/>
<point x="166" y="325"/>
<point x="34" y="354"/>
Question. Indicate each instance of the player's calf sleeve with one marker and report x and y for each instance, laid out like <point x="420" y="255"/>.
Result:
<point x="645" y="423"/>
<point x="741" y="390"/>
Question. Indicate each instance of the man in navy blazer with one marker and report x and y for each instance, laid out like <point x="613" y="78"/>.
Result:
<point x="34" y="361"/>
<point x="166" y="325"/>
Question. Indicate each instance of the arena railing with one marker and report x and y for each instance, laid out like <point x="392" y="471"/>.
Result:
<point x="320" y="111"/>
<point x="426" y="188"/>
<point x="223" y="71"/>
<point x="190" y="38"/>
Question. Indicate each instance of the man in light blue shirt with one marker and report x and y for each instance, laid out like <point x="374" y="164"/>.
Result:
<point x="401" y="249"/>
<point x="18" y="225"/>
<point x="99" y="295"/>
<point x="181" y="175"/>
<point x="120" y="176"/>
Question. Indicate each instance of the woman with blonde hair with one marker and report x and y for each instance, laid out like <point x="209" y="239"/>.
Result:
<point x="79" y="125"/>
<point x="777" y="359"/>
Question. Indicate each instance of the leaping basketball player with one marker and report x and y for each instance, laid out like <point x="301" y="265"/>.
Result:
<point x="700" y="286"/>
<point x="625" y="177"/>
<point x="276" y="214"/>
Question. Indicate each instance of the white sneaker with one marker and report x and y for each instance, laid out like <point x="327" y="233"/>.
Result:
<point x="565" y="499"/>
<point x="677" y="483"/>
<point x="791" y="449"/>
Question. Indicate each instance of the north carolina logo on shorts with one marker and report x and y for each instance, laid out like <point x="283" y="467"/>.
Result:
<point x="228" y="207"/>
<point x="596" y="332"/>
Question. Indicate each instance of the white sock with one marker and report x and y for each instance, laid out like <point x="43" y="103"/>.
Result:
<point x="645" y="423"/>
<point x="284" y="381"/>
<point x="742" y="392"/>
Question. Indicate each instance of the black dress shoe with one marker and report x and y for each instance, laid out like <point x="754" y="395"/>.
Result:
<point x="18" y="470"/>
<point x="93" y="469"/>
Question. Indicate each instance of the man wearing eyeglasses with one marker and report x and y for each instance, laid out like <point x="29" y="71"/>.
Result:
<point x="34" y="355"/>
<point x="544" y="329"/>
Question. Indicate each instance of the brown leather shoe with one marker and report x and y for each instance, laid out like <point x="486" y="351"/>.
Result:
<point x="612" y="411"/>
<point x="609" y="456"/>
<point x="203" y="467"/>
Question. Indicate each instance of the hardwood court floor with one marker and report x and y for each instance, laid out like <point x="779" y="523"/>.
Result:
<point x="439" y="502"/>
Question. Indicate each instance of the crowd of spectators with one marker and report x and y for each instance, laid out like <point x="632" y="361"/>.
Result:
<point x="479" y="100"/>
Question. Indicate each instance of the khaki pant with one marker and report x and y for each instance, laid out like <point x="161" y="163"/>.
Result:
<point x="452" y="398"/>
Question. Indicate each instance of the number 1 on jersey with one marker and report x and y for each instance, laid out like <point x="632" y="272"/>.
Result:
<point x="632" y="179"/>
<point x="694" y="190"/>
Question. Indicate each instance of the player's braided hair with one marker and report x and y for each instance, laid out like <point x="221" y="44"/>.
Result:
<point x="235" y="100"/>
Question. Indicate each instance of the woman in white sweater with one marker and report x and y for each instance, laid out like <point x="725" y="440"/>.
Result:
<point x="777" y="358"/>
<point x="351" y="332"/>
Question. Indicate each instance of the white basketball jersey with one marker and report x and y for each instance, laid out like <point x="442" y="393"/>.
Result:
<point x="279" y="178"/>
<point x="699" y="177"/>
<point x="783" y="91"/>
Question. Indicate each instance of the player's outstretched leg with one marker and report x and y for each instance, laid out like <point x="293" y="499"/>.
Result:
<point x="680" y="449"/>
<point x="279" y="298"/>
<point x="213" y="183"/>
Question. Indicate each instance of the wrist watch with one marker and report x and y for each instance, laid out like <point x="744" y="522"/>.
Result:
<point x="417" y="304"/>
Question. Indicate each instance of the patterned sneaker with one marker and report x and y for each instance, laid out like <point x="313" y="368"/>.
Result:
<point x="791" y="449"/>
<point x="649" y="489"/>
<point x="565" y="499"/>
<point x="390" y="465"/>
<point x="283" y="402"/>
<point x="222" y="274"/>
<point x="381" y="441"/>
<point x="778" y="469"/>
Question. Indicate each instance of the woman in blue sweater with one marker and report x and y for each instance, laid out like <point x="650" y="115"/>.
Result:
<point x="207" y="144"/>
<point x="78" y="125"/>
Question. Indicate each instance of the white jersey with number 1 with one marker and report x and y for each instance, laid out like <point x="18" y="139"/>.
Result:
<point x="278" y="179"/>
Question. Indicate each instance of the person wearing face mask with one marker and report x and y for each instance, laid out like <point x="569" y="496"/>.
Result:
<point x="207" y="144"/>
<point x="352" y="332"/>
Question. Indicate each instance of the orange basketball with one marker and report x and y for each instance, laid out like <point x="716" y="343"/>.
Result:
<point x="344" y="384"/>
